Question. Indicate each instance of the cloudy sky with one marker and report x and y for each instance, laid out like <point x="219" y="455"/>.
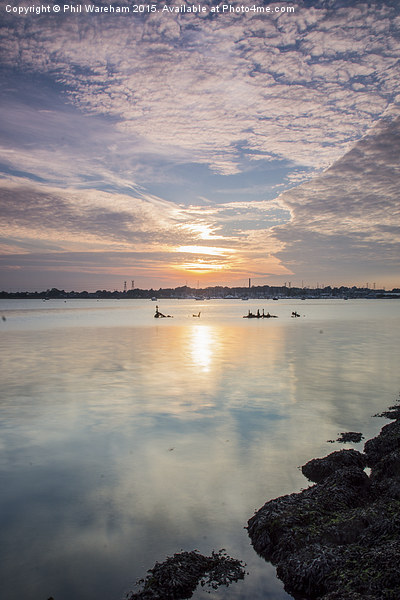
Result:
<point x="172" y="148"/>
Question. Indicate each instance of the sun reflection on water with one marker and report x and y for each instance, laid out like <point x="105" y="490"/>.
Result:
<point x="202" y="346"/>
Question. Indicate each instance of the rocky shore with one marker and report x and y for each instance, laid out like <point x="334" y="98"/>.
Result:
<point x="177" y="577"/>
<point x="339" y="539"/>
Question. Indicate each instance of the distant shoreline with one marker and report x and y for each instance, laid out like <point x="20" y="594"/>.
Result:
<point x="214" y="293"/>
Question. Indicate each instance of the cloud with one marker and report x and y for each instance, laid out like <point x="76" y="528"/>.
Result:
<point x="38" y="211"/>
<point x="349" y="214"/>
<point x="93" y="232"/>
<point x="300" y="87"/>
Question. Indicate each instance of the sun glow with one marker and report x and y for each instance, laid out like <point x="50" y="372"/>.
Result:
<point x="211" y="250"/>
<point x="201" y="264"/>
<point x="201" y="267"/>
<point x="203" y="231"/>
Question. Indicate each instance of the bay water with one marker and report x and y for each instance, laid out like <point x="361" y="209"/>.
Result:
<point x="125" y="439"/>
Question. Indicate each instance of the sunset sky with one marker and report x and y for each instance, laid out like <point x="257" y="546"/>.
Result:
<point x="173" y="148"/>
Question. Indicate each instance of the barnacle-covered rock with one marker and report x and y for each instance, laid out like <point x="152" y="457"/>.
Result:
<point x="339" y="539"/>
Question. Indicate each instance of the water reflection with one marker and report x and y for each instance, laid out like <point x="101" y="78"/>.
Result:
<point x="122" y="445"/>
<point x="202" y="346"/>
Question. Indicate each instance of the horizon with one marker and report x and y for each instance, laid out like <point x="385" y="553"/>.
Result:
<point x="202" y="148"/>
<point x="285" y="286"/>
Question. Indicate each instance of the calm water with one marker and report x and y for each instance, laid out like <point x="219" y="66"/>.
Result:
<point x="125" y="439"/>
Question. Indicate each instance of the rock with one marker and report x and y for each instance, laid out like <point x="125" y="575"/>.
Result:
<point x="339" y="539"/>
<point x="350" y="436"/>
<point x="387" y="441"/>
<point x="178" y="576"/>
<point x="318" y="469"/>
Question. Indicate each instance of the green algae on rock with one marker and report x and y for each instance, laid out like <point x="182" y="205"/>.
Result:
<point x="339" y="539"/>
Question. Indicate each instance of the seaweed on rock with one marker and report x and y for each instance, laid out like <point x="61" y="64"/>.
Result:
<point x="339" y="539"/>
<point x="178" y="576"/>
<point x="348" y="436"/>
<point x="318" y="469"/>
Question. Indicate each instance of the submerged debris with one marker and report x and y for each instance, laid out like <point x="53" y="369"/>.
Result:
<point x="160" y="315"/>
<point x="259" y="315"/>
<point x="339" y="539"/>
<point x="178" y="576"/>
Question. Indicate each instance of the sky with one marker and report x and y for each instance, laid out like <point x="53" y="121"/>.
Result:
<point x="199" y="148"/>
